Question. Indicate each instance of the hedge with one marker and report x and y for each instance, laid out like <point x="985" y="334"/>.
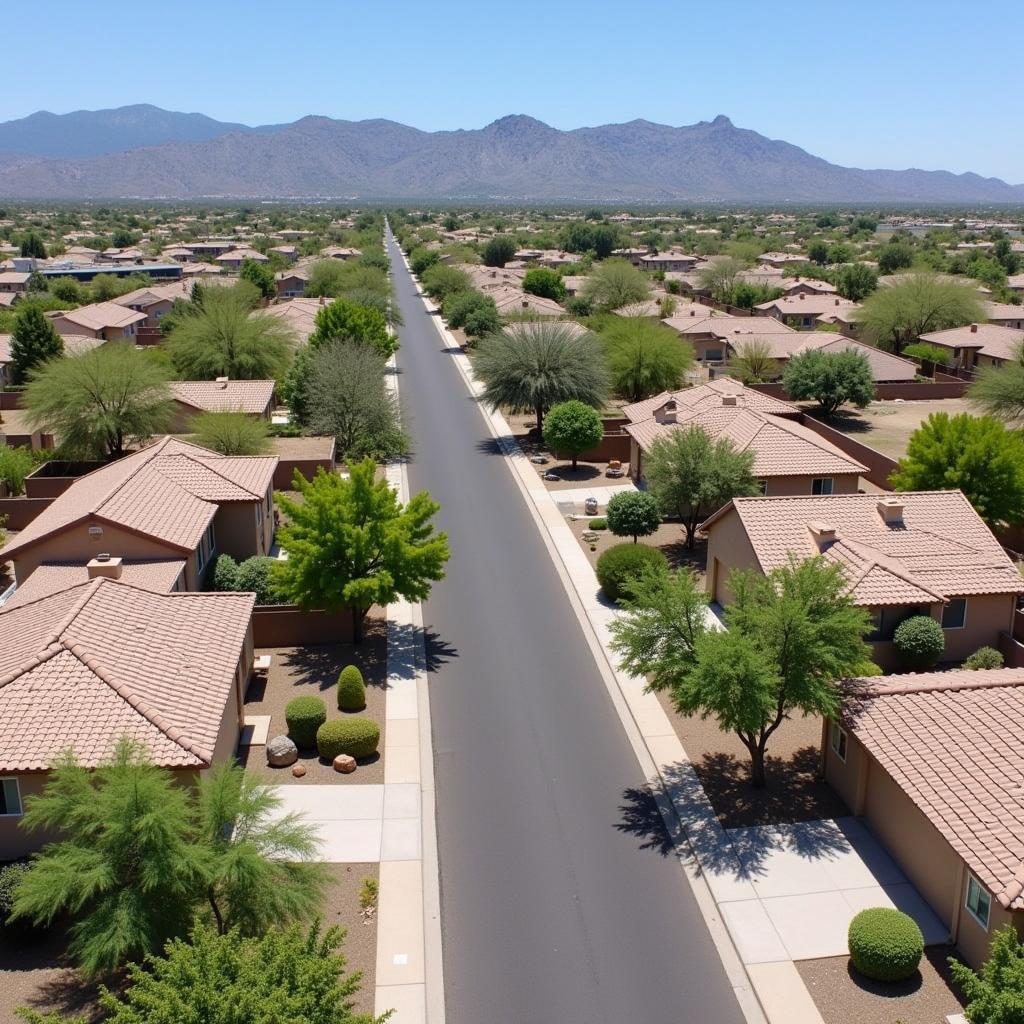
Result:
<point x="304" y="716"/>
<point x="621" y="562"/>
<point x="357" y="737"/>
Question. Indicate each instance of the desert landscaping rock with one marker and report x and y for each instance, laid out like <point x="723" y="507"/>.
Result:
<point x="298" y="770"/>
<point x="345" y="764"/>
<point x="281" y="752"/>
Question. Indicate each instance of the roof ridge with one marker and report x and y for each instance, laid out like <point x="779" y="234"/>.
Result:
<point x="994" y="679"/>
<point x="202" y="462"/>
<point x="887" y="562"/>
<point x="31" y="662"/>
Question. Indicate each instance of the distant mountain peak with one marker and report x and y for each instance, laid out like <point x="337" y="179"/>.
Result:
<point x="721" y="121"/>
<point x="517" y="123"/>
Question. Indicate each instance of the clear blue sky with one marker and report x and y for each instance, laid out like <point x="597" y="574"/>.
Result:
<point x="879" y="83"/>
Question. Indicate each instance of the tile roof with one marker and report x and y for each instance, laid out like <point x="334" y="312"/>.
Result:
<point x="952" y="742"/>
<point x="940" y="548"/>
<point x="299" y="314"/>
<point x="154" y="293"/>
<point x="169" y="491"/>
<point x="996" y="311"/>
<point x="102" y="314"/>
<point x="513" y="300"/>
<point x="104" y="659"/>
<point x="884" y="365"/>
<point x="728" y="328"/>
<point x="709" y="395"/>
<point x="989" y="339"/>
<point x="807" y="305"/>
<point x="51" y="577"/>
<point x="251" y="396"/>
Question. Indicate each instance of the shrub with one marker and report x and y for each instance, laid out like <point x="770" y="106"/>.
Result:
<point x="357" y="737"/>
<point x="304" y="716"/>
<point x="254" y="577"/>
<point x="984" y="657"/>
<point x="15" y="465"/>
<point x="10" y="877"/>
<point x="885" y="944"/>
<point x="919" y="642"/>
<point x="598" y="524"/>
<point x="225" y="573"/>
<point x="351" y="689"/>
<point x="620" y="563"/>
<point x="633" y="514"/>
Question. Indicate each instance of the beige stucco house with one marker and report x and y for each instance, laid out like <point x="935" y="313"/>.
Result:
<point x="106" y="320"/>
<point x="977" y="345"/>
<point x="253" y="397"/>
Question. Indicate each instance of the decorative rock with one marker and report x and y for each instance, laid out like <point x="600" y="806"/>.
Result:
<point x="281" y="752"/>
<point x="298" y="770"/>
<point x="345" y="764"/>
<point x="539" y="460"/>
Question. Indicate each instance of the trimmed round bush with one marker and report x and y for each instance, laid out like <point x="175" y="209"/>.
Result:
<point x="622" y="562"/>
<point x="357" y="737"/>
<point x="633" y="514"/>
<point x="885" y="944"/>
<point x="598" y="524"/>
<point x="984" y="657"/>
<point x="304" y="716"/>
<point x="351" y="689"/>
<point x="919" y="642"/>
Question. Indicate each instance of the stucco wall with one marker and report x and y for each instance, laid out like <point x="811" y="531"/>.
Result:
<point x="728" y="548"/>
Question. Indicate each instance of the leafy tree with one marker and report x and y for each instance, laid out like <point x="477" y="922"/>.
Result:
<point x="995" y="994"/>
<point x="421" y="258"/>
<point x="753" y="362"/>
<point x="101" y="401"/>
<point x="544" y="282"/>
<point x="830" y="378"/>
<point x="538" y="364"/>
<point x="840" y="252"/>
<point x="975" y="454"/>
<point x="644" y="358"/>
<point x="999" y="390"/>
<point x="898" y="314"/>
<point x="927" y="353"/>
<point x="327" y="278"/>
<point x="32" y="247"/>
<point x="633" y="514"/>
<point x="498" y="251"/>
<point x="345" y="320"/>
<point x="67" y="289"/>
<point x="441" y="280"/>
<point x="692" y="474"/>
<point x="615" y="283"/>
<point x="896" y="255"/>
<point x="344" y="396"/>
<point x="604" y="241"/>
<point x="790" y="635"/>
<point x="231" y="433"/>
<point x="746" y="295"/>
<point x="222" y="337"/>
<point x="856" y="281"/>
<point x="572" y="427"/>
<point x="720" y="277"/>
<point x="15" y="465"/>
<point x="352" y="544"/>
<point x="260" y="276"/>
<point x="33" y="342"/>
<point x="290" y="975"/>
<point x="817" y="252"/>
<point x="473" y="311"/>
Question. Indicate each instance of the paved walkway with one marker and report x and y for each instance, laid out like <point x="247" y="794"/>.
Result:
<point x="578" y="495"/>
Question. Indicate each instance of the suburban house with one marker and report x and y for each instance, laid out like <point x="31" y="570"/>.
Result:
<point x="234" y="258"/>
<point x="805" y="286"/>
<point x="488" y="279"/>
<point x="715" y="338"/>
<point x="677" y="262"/>
<point x="1015" y="282"/>
<point x="291" y="283"/>
<point x="340" y="252"/>
<point x="781" y="259"/>
<point x="253" y="397"/>
<point x="165" y="576"/>
<point x="299" y="314"/>
<point x="977" y="344"/>
<point x="512" y="300"/>
<point x="905" y="554"/>
<point x="155" y="301"/>
<point x="805" y="310"/>
<point x="102" y="659"/>
<point x="106" y="320"/>
<point x="933" y="763"/>
<point x="1005" y="314"/>
<point x="789" y="458"/>
<point x="74" y="344"/>
<point x="172" y="500"/>
<point x="14" y="281"/>
<point x="289" y="252"/>
<point x="632" y="255"/>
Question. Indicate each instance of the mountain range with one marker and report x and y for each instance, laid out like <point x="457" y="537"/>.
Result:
<point x="143" y="151"/>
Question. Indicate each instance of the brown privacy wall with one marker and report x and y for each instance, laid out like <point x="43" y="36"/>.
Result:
<point x="52" y="479"/>
<point x="1018" y="625"/>
<point x="879" y="466"/>
<point x="10" y="400"/>
<point x="911" y="390"/>
<point x="148" y="336"/>
<point x="19" y="512"/>
<point x="285" y="472"/>
<point x="284" y="625"/>
<point x="1011" y="650"/>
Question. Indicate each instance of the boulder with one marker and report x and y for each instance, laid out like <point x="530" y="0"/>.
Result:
<point x="281" y="752"/>
<point x="345" y="764"/>
<point x="298" y="770"/>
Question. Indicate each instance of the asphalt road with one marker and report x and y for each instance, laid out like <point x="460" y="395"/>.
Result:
<point x="561" y="900"/>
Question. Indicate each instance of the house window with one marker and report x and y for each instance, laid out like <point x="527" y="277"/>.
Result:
<point x="954" y="613"/>
<point x="763" y="485"/>
<point x="887" y="619"/>
<point x="979" y="903"/>
<point x="10" y="798"/>
<point x="821" y="485"/>
<point x="206" y="546"/>
<point x="837" y="740"/>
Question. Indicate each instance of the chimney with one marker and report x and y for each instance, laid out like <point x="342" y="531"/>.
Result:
<point x="837" y="302"/>
<point x="824" y="534"/>
<point x="974" y="328"/>
<point x="526" y="303"/>
<point x="323" y="300"/>
<point x="104" y="565"/>
<point x="693" y="312"/>
<point x="801" y="296"/>
<point x="729" y="400"/>
<point x="221" y="382"/>
<point x="667" y="413"/>
<point x="891" y="511"/>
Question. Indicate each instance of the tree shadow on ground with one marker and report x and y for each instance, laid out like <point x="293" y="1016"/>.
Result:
<point x="844" y="420"/>
<point x="439" y="652"/>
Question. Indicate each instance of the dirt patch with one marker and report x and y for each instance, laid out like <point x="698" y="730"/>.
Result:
<point x="313" y="670"/>
<point x="842" y="995"/>
<point x="794" y="792"/>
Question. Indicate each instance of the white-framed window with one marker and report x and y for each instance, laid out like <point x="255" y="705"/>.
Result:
<point x="954" y="613"/>
<point x="821" y="485"/>
<point x="10" y="798"/>
<point x="978" y="901"/>
<point x="837" y="740"/>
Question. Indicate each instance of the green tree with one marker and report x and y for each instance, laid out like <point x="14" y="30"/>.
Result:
<point x="544" y="282"/>
<point x="644" y="358"/>
<point x="975" y="454"/>
<point x="538" y="364"/>
<point x="232" y="432"/>
<point x="441" y="280"/>
<point x="692" y="474"/>
<point x="67" y="289"/>
<point x="615" y="283"/>
<point x="33" y="342"/>
<point x="327" y="278"/>
<point x="352" y="544"/>
<point x="15" y="465"/>
<point x="753" y="362"/>
<point x="421" y="258"/>
<point x="995" y="994"/>
<point x="572" y="427"/>
<point x="895" y="255"/>
<point x="999" y="390"/>
<point x="840" y="252"/>
<point x="358" y="324"/>
<point x="472" y="311"/>
<point x="633" y="514"/>
<point x="100" y="402"/>
<point x="856" y="281"/>
<point x="898" y="314"/>
<point x="223" y="337"/>
<point x="829" y="378"/>
<point x="260" y="276"/>
<point x="605" y="240"/>
<point x="498" y="251"/>
<point x="817" y="252"/>
<point x="720" y="277"/>
<point x="32" y="247"/>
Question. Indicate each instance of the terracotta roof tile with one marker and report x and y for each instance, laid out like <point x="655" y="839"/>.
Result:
<point x="52" y="577"/>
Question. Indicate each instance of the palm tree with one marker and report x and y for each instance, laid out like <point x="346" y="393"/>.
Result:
<point x="531" y="366"/>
